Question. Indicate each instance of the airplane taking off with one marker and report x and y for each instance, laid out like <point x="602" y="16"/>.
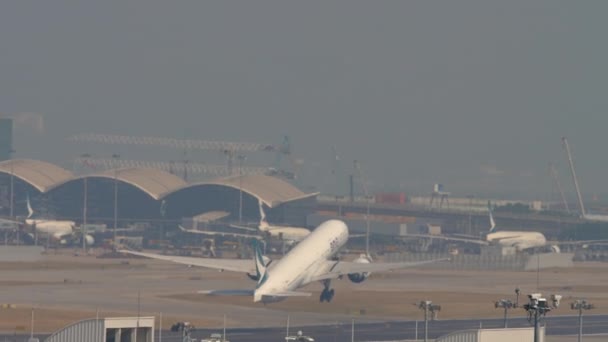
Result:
<point x="287" y="234"/>
<point x="313" y="259"/>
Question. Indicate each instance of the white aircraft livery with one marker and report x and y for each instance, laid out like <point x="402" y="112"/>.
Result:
<point x="518" y="239"/>
<point x="58" y="230"/>
<point x="310" y="260"/>
<point x="288" y="234"/>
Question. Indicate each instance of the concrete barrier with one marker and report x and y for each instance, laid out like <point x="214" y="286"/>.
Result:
<point x="20" y="253"/>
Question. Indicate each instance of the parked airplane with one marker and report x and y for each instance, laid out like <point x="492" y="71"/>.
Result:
<point x="53" y="230"/>
<point x="521" y="240"/>
<point x="313" y="259"/>
<point x="287" y="234"/>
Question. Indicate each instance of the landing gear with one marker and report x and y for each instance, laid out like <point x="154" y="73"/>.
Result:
<point x="327" y="294"/>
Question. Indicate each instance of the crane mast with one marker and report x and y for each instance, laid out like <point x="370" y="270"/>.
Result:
<point x="553" y="172"/>
<point x="578" y="190"/>
<point x="171" y="167"/>
<point x="231" y="150"/>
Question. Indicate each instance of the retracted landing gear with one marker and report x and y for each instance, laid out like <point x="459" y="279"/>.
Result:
<point x="327" y="294"/>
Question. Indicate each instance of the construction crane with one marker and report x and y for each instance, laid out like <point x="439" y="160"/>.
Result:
<point x="227" y="148"/>
<point x="558" y="184"/>
<point x="571" y="162"/>
<point x="171" y="167"/>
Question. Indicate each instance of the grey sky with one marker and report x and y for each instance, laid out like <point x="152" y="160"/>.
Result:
<point x="474" y="94"/>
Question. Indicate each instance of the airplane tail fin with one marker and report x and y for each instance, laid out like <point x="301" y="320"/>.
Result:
<point x="30" y="211"/>
<point x="260" y="263"/>
<point x="492" y="223"/>
<point x="263" y="222"/>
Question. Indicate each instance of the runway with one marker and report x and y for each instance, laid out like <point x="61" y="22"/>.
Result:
<point x="65" y="289"/>
<point x="391" y="331"/>
<point x="386" y="331"/>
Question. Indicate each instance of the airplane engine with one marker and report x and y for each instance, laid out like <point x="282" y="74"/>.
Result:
<point x="555" y="249"/>
<point x="90" y="240"/>
<point x="360" y="277"/>
<point x="60" y="238"/>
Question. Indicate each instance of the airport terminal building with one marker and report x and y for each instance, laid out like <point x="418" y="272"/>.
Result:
<point x="144" y="195"/>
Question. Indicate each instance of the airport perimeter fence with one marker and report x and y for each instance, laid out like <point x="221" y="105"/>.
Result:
<point x="464" y="261"/>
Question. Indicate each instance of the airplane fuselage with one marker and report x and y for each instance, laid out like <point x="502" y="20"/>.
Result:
<point x="286" y="233"/>
<point x="298" y="266"/>
<point x="595" y="218"/>
<point x="53" y="228"/>
<point x="518" y="239"/>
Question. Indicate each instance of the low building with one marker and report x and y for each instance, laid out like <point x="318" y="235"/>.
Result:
<point x="493" y="335"/>
<point x="109" y="329"/>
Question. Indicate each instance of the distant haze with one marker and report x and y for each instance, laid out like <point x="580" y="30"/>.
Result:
<point x="472" y="94"/>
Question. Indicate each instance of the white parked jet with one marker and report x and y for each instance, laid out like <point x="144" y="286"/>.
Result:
<point x="56" y="230"/>
<point x="521" y="240"/>
<point x="285" y="233"/>
<point x="310" y="260"/>
<point x="288" y="234"/>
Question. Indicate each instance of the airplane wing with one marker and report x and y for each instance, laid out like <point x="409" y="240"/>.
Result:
<point x="7" y="221"/>
<point x="251" y="229"/>
<point x="213" y="233"/>
<point x="234" y="265"/>
<point x="448" y="238"/>
<point x="251" y="292"/>
<point x="228" y="292"/>
<point x="335" y="269"/>
<point x="580" y="242"/>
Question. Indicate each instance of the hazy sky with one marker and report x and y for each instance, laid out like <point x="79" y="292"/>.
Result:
<point x="473" y="94"/>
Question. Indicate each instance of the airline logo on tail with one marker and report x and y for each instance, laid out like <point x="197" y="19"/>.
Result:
<point x="260" y="265"/>
<point x="263" y="223"/>
<point x="492" y="223"/>
<point x="30" y="211"/>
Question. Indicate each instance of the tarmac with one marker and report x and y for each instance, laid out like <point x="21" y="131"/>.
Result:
<point x="63" y="288"/>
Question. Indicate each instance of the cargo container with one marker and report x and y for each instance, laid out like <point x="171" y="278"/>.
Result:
<point x="390" y="198"/>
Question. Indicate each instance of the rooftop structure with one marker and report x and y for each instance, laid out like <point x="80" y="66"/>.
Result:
<point x="124" y="329"/>
<point x="41" y="175"/>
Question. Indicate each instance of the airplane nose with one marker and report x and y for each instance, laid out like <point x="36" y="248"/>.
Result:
<point x="338" y="224"/>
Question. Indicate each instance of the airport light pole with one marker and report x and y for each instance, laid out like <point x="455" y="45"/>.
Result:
<point x="537" y="308"/>
<point x="470" y="197"/>
<point x="12" y="186"/>
<point x="428" y="307"/>
<point x="115" y="156"/>
<point x="84" y="209"/>
<point x="84" y="215"/>
<point x="241" y="158"/>
<point x="12" y="189"/>
<point x="580" y="305"/>
<point x="367" y="254"/>
<point x="506" y="304"/>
